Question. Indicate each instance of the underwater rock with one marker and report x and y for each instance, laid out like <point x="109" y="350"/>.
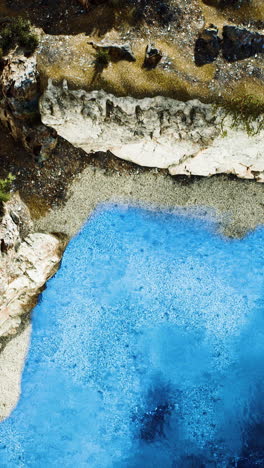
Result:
<point x="153" y="422"/>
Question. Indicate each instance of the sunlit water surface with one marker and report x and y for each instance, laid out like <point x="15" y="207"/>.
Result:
<point x="147" y="350"/>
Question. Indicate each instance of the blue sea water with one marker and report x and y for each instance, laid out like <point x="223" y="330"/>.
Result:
<point x="147" y="350"/>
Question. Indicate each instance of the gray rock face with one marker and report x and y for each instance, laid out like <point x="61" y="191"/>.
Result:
<point x="184" y="137"/>
<point x="19" y="107"/>
<point x="27" y="261"/>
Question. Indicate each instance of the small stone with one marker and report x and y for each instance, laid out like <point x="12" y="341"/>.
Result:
<point x="152" y="56"/>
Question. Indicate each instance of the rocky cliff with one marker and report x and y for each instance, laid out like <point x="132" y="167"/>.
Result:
<point x="19" y="89"/>
<point x="27" y="260"/>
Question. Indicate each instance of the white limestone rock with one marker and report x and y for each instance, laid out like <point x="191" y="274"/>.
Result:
<point x="183" y="137"/>
<point x="27" y="261"/>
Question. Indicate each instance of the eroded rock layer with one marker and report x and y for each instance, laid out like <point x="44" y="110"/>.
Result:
<point x="184" y="137"/>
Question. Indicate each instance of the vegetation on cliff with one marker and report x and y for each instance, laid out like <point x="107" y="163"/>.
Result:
<point x="5" y="186"/>
<point x="17" y="32"/>
<point x="247" y="112"/>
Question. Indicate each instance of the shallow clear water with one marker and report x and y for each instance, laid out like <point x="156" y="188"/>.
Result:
<point x="147" y="350"/>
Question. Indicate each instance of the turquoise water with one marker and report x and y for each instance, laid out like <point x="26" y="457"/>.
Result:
<point x="147" y="350"/>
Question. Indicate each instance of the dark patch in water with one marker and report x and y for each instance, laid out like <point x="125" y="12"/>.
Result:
<point x="153" y="422"/>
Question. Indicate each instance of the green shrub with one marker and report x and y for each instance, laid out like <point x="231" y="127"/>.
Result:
<point x="5" y="187"/>
<point x="102" y="57"/>
<point x="247" y="112"/>
<point x="29" y="42"/>
<point x="18" y="32"/>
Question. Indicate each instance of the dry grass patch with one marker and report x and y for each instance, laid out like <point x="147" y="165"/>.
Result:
<point x="72" y="58"/>
<point x="74" y="61"/>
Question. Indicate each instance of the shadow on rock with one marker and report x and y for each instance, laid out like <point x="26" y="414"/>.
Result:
<point x="239" y="43"/>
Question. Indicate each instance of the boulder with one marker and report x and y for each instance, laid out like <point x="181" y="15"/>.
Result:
<point x="116" y="52"/>
<point x="152" y="56"/>
<point x="240" y="43"/>
<point x="207" y="46"/>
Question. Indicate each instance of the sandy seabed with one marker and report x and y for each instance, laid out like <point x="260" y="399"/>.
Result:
<point x="237" y="204"/>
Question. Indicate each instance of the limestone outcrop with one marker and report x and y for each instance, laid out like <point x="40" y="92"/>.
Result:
<point x="189" y="138"/>
<point x="27" y="260"/>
